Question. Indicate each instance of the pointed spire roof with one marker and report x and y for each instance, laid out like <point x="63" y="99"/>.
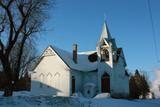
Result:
<point x="105" y="32"/>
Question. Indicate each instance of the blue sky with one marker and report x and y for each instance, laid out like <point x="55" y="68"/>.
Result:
<point x="80" y="21"/>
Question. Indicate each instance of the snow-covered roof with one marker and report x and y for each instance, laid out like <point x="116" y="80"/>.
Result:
<point x="83" y="62"/>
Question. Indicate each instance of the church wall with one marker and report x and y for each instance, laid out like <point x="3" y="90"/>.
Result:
<point x="84" y="78"/>
<point x="51" y="74"/>
<point x="90" y="84"/>
<point x="90" y="77"/>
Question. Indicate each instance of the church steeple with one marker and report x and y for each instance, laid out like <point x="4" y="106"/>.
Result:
<point x="105" y="32"/>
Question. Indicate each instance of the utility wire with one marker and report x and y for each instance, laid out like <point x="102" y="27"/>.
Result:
<point x="154" y="32"/>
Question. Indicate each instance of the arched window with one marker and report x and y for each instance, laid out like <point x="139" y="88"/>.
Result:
<point x="56" y="80"/>
<point x="104" y="55"/>
<point x="49" y="77"/>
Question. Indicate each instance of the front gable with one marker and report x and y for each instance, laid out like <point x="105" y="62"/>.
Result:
<point x="50" y="52"/>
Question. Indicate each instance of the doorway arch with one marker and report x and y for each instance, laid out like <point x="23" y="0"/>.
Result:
<point x="105" y="83"/>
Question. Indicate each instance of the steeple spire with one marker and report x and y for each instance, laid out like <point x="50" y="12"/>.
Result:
<point x="105" y="32"/>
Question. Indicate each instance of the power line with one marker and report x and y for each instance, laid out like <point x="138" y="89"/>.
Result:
<point x="153" y="31"/>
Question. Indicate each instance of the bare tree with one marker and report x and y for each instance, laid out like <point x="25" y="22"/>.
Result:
<point x="20" y="20"/>
<point x="28" y="55"/>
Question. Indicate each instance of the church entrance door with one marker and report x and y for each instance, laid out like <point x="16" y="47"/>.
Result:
<point x="105" y="83"/>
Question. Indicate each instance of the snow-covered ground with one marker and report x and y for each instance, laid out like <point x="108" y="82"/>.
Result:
<point x="23" y="99"/>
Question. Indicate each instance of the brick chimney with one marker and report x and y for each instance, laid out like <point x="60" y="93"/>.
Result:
<point x="75" y="53"/>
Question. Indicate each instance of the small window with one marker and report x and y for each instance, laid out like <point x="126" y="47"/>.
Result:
<point x="104" y="55"/>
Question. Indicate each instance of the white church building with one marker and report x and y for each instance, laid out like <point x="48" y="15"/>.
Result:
<point x="63" y="73"/>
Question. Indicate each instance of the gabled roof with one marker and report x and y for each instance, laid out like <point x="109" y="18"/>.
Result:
<point x="83" y="64"/>
<point x="120" y="54"/>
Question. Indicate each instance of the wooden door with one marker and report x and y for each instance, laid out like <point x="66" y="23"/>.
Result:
<point x="105" y="83"/>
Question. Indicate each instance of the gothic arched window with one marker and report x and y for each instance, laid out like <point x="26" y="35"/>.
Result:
<point x="49" y="80"/>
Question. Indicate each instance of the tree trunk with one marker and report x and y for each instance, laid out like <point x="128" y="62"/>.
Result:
<point x="8" y="90"/>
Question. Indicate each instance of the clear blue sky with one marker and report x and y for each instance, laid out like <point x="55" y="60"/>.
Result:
<point x="80" y="21"/>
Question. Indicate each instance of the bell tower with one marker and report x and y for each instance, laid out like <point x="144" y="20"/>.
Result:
<point x="104" y="46"/>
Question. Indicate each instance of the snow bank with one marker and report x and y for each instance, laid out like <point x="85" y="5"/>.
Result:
<point x="25" y="100"/>
<point x="124" y="103"/>
<point x="102" y="95"/>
